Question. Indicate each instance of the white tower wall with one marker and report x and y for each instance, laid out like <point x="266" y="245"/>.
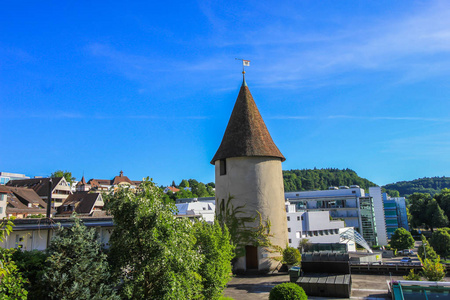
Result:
<point x="257" y="183"/>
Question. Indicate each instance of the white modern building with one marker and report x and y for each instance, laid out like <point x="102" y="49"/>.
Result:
<point x="202" y="210"/>
<point x="349" y="204"/>
<point x="375" y="193"/>
<point x="6" y="176"/>
<point x="316" y="227"/>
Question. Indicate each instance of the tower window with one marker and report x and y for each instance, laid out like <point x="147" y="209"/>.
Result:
<point x="223" y="167"/>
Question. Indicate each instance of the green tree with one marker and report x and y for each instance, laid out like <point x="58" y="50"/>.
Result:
<point x="426" y="250"/>
<point x="393" y="193"/>
<point x="440" y="240"/>
<point x="418" y="207"/>
<point x="214" y="244"/>
<point x="433" y="270"/>
<point x="304" y="245"/>
<point x="184" y="183"/>
<point x="412" y="276"/>
<point x="291" y="256"/>
<point x="76" y="266"/>
<point x="66" y="174"/>
<point x="12" y="284"/>
<point x="435" y="217"/>
<point x="31" y="265"/>
<point x="401" y="239"/>
<point x="152" y="251"/>
<point x="443" y="199"/>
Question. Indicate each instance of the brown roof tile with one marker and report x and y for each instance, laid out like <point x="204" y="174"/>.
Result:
<point x="39" y="185"/>
<point x="246" y="133"/>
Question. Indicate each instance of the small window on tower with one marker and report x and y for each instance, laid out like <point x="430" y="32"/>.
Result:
<point x="223" y="167"/>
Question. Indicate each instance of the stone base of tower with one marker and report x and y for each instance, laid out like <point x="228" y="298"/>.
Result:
<point x="257" y="260"/>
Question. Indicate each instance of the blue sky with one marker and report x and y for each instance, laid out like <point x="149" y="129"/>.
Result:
<point x="148" y="87"/>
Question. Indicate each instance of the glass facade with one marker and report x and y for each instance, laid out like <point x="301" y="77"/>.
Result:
<point x="369" y="231"/>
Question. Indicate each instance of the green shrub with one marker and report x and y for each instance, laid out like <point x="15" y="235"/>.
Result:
<point x="291" y="256"/>
<point x="287" y="291"/>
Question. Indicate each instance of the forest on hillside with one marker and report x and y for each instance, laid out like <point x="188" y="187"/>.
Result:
<point x="321" y="179"/>
<point x="429" y="185"/>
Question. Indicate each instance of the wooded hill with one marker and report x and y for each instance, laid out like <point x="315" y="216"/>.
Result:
<point x="321" y="179"/>
<point x="429" y="185"/>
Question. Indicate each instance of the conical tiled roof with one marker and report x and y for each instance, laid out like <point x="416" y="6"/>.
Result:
<point x="246" y="133"/>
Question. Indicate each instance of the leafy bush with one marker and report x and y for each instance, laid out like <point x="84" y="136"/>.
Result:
<point x="291" y="256"/>
<point x="412" y="276"/>
<point x="287" y="291"/>
<point x="32" y="264"/>
<point x="76" y="267"/>
<point x="12" y="282"/>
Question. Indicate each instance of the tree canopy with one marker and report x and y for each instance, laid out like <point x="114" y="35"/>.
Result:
<point x="440" y="240"/>
<point x="321" y="179"/>
<point x="66" y="174"/>
<point x="402" y="239"/>
<point x="429" y="185"/>
<point x="159" y="256"/>
<point x="76" y="266"/>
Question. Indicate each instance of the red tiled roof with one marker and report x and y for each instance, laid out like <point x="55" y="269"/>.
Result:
<point x="173" y="189"/>
<point x="246" y="134"/>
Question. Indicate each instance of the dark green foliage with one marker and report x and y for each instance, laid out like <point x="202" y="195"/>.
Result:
<point x="429" y="185"/>
<point x="426" y="250"/>
<point x="291" y="256"/>
<point x="440" y="240"/>
<point x="32" y="264"/>
<point x="401" y="239"/>
<point x="287" y="291"/>
<point x="214" y="244"/>
<point x="76" y="266"/>
<point x="443" y="199"/>
<point x="153" y="252"/>
<point x="196" y="190"/>
<point x="321" y="179"/>
<point x="12" y="285"/>
<point x="66" y="174"/>
<point x="435" y="216"/>
<point x="418" y="206"/>
<point x="393" y="193"/>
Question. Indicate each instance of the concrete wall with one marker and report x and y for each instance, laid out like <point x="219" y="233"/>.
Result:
<point x="257" y="183"/>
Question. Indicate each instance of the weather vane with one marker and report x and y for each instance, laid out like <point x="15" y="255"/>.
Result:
<point x="245" y="63"/>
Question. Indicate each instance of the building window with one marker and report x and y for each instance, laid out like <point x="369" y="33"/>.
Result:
<point x="289" y="230"/>
<point x="298" y="218"/>
<point x="290" y="241"/>
<point x="1" y="210"/>
<point x="302" y="218"/>
<point x="288" y="218"/>
<point x="223" y="167"/>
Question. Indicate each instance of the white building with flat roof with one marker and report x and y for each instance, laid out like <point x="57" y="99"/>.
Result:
<point x="349" y="204"/>
<point x="202" y="210"/>
<point x="315" y="226"/>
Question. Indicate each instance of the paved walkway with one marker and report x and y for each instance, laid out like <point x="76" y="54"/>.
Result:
<point x="258" y="287"/>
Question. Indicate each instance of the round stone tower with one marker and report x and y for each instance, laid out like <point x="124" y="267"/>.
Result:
<point x="248" y="173"/>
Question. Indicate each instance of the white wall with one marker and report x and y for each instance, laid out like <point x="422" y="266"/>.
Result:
<point x="375" y="193"/>
<point x="315" y="226"/>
